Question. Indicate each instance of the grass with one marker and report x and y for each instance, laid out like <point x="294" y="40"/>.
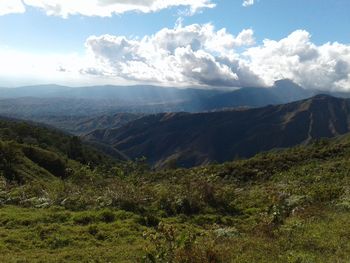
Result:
<point x="58" y="235"/>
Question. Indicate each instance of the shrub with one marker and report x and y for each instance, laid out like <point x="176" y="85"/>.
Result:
<point x="107" y="216"/>
<point x="148" y="220"/>
<point x="84" y="219"/>
<point x="184" y="247"/>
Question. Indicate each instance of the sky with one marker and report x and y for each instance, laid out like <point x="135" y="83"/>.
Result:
<point x="209" y="43"/>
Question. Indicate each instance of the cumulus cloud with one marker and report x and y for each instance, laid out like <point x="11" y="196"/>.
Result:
<point x="295" y="57"/>
<point x="201" y="55"/>
<point x="191" y="55"/>
<point x="11" y="7"/>
<point x="195" y="54"/>
<point x="248" y="3"/>
<point x="106" y="8"/>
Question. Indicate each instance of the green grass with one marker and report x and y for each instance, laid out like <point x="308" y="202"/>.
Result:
<point x="56" y="235"/>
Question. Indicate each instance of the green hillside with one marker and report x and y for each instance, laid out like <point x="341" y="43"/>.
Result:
<point x="62" y="201"/>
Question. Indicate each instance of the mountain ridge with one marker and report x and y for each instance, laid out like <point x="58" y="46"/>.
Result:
<point x="151" y="99"/>
<point x="190" y="139"/>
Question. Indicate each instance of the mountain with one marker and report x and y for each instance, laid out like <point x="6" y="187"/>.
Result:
<point x="124" y="95"/>
<point x="185" y="139"/>
<point x="283" y="91"/>
<point x="42" y="91"/>
<point x="81" y="110"/>
<point x="53" y="100"/>
<point x="42" y="103"/>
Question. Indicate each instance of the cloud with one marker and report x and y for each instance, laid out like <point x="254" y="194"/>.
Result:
<point x="201" y="55"/>
<point x="248" y="3"/>
<point x="195" y="54"/>
<point x="106" y="8"/>
<point x="189" y="55"/>
<point x="325" y="67"/>
<point x="11" y="7"/>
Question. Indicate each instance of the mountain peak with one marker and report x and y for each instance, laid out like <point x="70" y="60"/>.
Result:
<point x="286" y="83"/>
<point x="288" y="91"/>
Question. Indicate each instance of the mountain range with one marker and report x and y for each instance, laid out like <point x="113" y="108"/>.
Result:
<point x="53" y="100"/>
<point x="81" y="110"/>
<point x="183" y="127"/>
<point x="190" y="139"/>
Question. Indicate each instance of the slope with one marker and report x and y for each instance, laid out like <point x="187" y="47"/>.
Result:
<point x="32" y="152"/>
<point x="287" y="206"/>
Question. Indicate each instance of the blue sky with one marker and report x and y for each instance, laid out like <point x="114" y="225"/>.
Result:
<point x="37" y="32"/>
<point x="326" y="20"/>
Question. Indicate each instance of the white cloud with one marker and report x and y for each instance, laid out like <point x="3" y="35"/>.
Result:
<point x="200" y="55"/>
<point x="195" y="54"/>
<point x="189" y="55"/>
<point x="106" y="8"/>
<point x="296" y="57"/>
<point x="248" y="3"/>
<point x="11" y="7"/>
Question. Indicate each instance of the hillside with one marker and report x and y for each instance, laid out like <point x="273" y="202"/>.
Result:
<point x="183" y="139"/>
<point x="285" y="206"/>
<point x="32" y="152"/>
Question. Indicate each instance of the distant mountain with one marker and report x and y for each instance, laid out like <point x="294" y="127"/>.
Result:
<point x="184" y="139"/>
<point x="283" y="91"/>
<point x="29" y="107"/>
<point x="123" y="95"/>
<point x="53" y="100"/>
<point x="40" y="91"/>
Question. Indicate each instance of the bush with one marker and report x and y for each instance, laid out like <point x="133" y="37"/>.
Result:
<point x="84" y="219"/>
<point x="170" y="245"/>
<point x="148" y="220"/>
<point x="107" y="216"/>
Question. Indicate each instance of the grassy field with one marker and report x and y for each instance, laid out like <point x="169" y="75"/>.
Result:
<point x="57" y="235"/>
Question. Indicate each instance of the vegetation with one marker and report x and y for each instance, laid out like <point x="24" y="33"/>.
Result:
<point x="283" y="206"/>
